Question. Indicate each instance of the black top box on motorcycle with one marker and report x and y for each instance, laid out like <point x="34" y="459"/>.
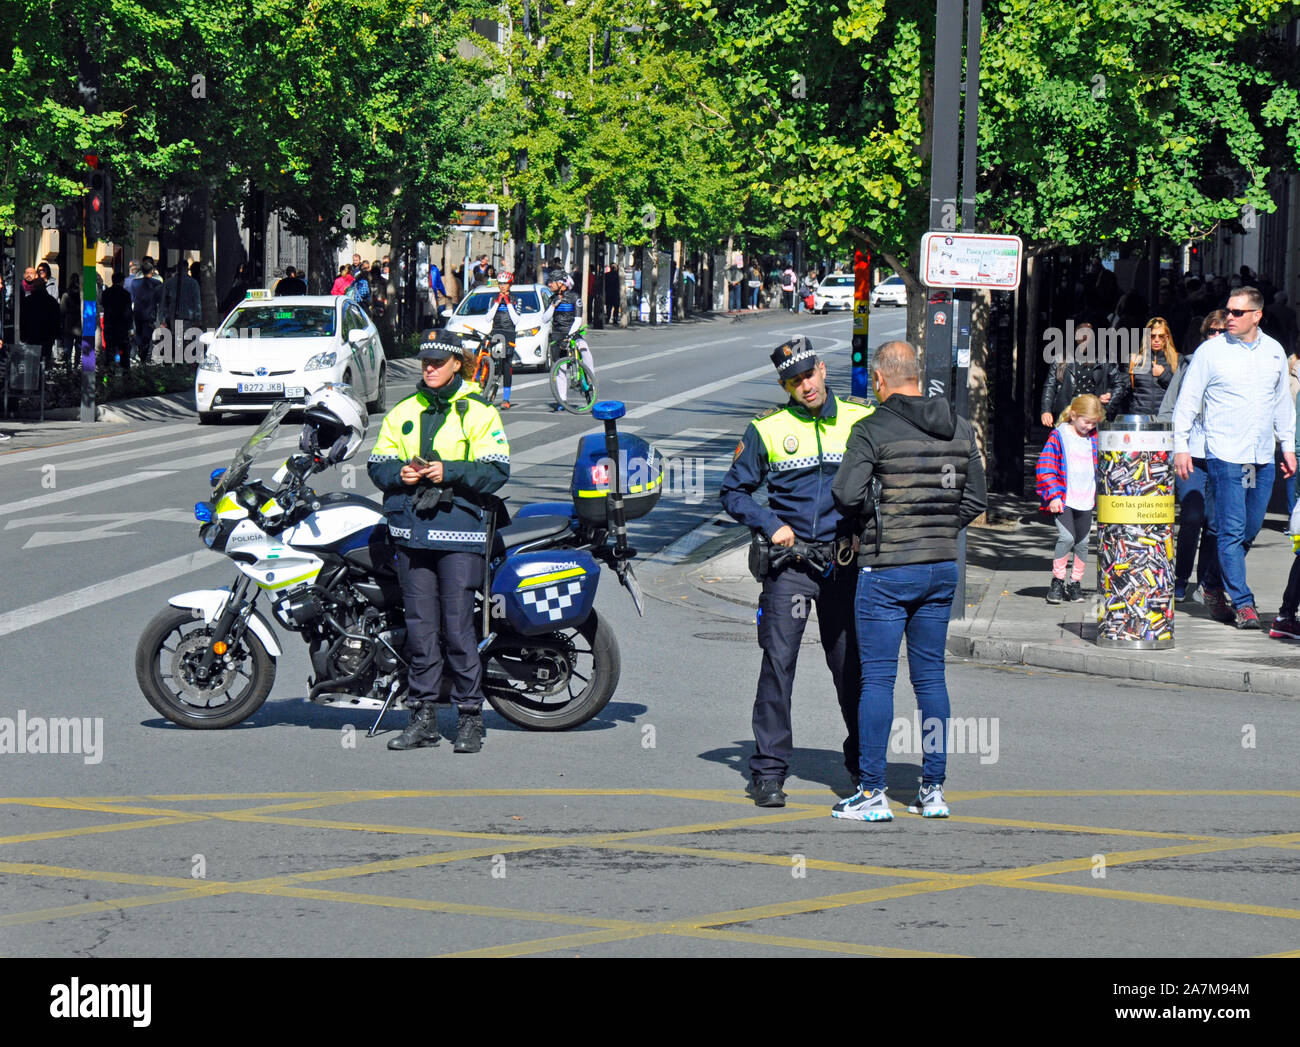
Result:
<point x="640" y="474"/>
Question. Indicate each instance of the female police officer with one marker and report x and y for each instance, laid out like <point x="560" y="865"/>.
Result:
<point x="439" y="452"/>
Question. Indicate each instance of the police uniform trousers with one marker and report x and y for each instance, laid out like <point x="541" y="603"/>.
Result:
<point x="438" y="590"/>
<point x="788" y="597"/>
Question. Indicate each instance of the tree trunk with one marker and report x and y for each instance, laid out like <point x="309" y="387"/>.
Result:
<point x="208" y="267"/>
<point x="397" y="250"/>
<point x="1027" y="356"/>
<point x="317" y="264"/>
<point x="586" y="264"/>
<point x="679" y="307"/>
<point x="982" y="409"/>
<point x="654" y="277"/>
<point x="624" y="320"/>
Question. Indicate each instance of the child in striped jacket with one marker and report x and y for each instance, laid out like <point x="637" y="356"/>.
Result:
<point x="1066" y="481"/>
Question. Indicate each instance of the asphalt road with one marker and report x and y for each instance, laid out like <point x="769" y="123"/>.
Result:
<point x="1089" y="817"/>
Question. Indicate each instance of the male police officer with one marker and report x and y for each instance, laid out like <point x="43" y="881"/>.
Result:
<point x="795" y="450"/>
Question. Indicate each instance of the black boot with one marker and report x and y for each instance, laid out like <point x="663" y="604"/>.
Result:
<point x="469" y="733"/>
<point x="422" y="730"/>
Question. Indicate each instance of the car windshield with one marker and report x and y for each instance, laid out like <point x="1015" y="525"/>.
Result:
<point x="480" y="302"/>
<point x="894" y="281"/>
<point x="838" y="281"/>
<point x="253" y="448"/>
<point x="279" y="321"/>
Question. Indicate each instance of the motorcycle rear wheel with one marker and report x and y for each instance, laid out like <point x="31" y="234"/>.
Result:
<point x="166" y="652"/>
<point x="596" y="670"/>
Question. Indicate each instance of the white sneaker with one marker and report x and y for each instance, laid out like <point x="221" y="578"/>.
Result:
<point x="930" y="802"/>
<point x="863" y="806"/>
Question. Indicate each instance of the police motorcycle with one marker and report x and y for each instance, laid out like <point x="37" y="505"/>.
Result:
<point x="321" y="566"/>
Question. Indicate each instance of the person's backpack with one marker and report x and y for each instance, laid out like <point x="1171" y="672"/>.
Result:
<point x="359" y="290"/>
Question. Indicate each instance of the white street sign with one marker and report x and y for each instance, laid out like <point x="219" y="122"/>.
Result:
<point x="971" y="260"/>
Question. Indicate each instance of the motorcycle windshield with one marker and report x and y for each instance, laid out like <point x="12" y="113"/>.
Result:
<point x="253" y="448"/>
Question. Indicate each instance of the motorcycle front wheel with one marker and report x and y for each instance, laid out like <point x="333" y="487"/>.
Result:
<point x="166" y="660"/>
<point x="573" y="385"/>
<point x="570" y="676"/>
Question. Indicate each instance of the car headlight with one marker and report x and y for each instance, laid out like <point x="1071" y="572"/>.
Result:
<point x="320" y="361"/>
<point x="529" y="331"/>
<point x="211" y="362"/>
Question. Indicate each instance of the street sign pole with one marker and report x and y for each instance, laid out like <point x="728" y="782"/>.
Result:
<point x="943" y="183"/>
<point x="969" y="139"/>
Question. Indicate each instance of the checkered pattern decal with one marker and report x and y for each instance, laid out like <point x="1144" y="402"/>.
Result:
<point x="553" y="600"/>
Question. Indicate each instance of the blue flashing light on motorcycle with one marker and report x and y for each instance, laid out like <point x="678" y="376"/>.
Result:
<point x="608" y="410"/>
<point x="203" y="512"/>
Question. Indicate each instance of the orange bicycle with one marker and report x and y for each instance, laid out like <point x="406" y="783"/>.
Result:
<point x="484" y="372"/>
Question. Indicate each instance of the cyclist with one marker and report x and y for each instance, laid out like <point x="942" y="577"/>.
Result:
<point x="504" y="322"/>
<point x="565" y="315"/>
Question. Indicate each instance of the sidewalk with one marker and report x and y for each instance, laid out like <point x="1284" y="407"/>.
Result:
<point x="1008" y="620"/>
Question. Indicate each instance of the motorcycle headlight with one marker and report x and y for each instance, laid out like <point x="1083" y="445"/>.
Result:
<point x="209" y="534"/>
<point x="320" y="361"/>
<point x="211" y="362"/>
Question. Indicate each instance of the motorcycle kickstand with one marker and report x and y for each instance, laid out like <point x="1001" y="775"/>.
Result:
<point x="388" y="704"/>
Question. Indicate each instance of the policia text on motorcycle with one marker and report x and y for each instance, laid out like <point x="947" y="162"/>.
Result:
<point x="439" y="453"/>
<point x="802" y="551"/>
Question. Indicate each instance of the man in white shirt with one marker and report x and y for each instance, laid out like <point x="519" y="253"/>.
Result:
<point x="1237" y="384"/>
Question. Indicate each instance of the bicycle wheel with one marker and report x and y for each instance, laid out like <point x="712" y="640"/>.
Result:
<point x="573" y="385"/>
<point x="485" y="376"/>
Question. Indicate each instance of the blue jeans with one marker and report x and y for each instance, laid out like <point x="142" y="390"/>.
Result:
<point x="1241" y="494"/>
<point x="733" y="297"/>
<point x="913" y="600"/>
<point x="1196" y="529"/>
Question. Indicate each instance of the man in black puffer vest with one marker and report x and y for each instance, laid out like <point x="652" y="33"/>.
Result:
<point x="913" y="477"/>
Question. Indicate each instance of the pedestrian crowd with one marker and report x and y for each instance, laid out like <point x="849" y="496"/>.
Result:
<point x="1217" y="360"/>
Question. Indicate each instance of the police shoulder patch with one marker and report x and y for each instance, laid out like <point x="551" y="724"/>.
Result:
<point x="740" y="449"/>
<point x="770" y="411"/>
<point x="407" y="426"/>
<point x="857" y="400"/>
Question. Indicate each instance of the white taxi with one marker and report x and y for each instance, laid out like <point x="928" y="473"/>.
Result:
<point x="835" y="292"/>
<point x="532" y="337"/>
<point x="270" y="349"/>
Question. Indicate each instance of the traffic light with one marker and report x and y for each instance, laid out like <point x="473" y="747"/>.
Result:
<point x="99" y="201"/>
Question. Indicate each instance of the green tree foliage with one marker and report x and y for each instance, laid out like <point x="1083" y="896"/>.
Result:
<point x="1098" y="119"/>
<point x="623" y="133"/>
<point x="354" y="119"/>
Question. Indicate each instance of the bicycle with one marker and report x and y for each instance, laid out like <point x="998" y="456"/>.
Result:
<point x="573" y="383"/>
<point x="484" y="371"/>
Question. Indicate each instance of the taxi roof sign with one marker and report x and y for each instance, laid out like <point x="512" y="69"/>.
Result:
<point x="257" y="293"/>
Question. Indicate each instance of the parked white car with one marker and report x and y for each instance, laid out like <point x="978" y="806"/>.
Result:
<point x="270" y="349"/>
<point x="889" y="292"/>
<point x="833" y="293"/>
<point x="533" y="335"/>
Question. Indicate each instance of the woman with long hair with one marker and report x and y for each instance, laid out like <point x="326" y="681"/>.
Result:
<point x="1150" y="370"/>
